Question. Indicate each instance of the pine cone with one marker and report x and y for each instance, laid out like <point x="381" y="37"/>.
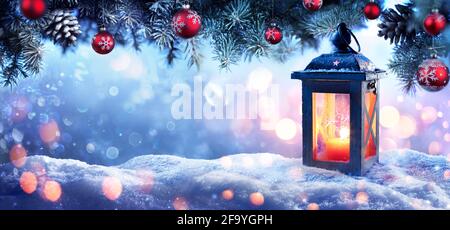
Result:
<point x="63" y="27"/>
<point x="398" y="26"/>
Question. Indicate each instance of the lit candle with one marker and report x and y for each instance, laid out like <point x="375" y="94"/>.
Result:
<point x="338" y="149"/>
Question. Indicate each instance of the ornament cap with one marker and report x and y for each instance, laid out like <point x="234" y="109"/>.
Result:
<point x="102" y="28"/>
<point x="186" y="6"/>
<point x="435" y="10"/>
<point x="273" y="24"/>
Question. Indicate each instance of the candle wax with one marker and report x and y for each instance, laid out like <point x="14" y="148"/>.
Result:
<point x="337" y="149"/>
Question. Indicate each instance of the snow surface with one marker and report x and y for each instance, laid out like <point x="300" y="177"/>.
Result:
<point x="402" y="180"/>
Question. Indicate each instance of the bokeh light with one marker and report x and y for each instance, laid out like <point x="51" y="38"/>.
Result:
<point x="52" y="191"/>
<point x="180" y="203"/>
<point x="389" y="116"/>
<point x="434" y="148"/>
<point x="362" y="198"/>
<point x="257" y="199"/>
<point x="112" y="188"/>
<point x="28" y="182"/>
<point x="428" y="115"/>
<point x="20" y="108"/>
<point x="286" y="129"/>
<point x="447" y="174"/>
<point x="226" y="162"/>
<point x="259" y="79"/>
<point x="18" y="155"/>
<point x="228" y="194"/>
<point x="49" y="132"/>
<point x="406" y="127"/>
<point x="147" y="180"/>
<point x="312" y="206"/>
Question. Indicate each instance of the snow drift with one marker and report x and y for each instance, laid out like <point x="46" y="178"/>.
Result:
<point x="402" y="180"/>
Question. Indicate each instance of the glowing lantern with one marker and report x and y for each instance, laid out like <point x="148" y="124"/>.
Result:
<point x="340" y="108"/>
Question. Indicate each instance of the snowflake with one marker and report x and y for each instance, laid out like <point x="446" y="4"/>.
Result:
<point x="271" y="33"/>
<point x="178" y="24"/>
<point x="336" y="63"/>
<point x="105" y="43"/>
<point x="427" y="76"/>
<point x="312" y="3"/>
<point x="196" y="19"/>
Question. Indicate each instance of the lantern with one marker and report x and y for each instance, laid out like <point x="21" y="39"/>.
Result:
<point x="340" y="108"/>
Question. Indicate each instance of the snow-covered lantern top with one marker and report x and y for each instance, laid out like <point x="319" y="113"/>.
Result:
<point x="340" y="108"/>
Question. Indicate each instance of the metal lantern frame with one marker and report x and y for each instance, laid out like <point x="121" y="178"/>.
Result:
<point x="343" y="72"/>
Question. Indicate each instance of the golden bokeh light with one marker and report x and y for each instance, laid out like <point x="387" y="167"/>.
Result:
<point x="312" y="206"/>
<point x="389" y="117"/>
<point x="112" y="188"/>
<point x="18" y="155"/>
<point x="180" y="203"/>
<point x="49" y="132"/>
<point x="362" y="198"/>
<point x="434" y="148"/>
<point x="228" y="194"/>
<point x="257" y="198"/>
<point x="428" y="115"/>
<point x="28" y="182"/>
<point x="406" y="127"/>
<point x="286" y="129"/>
<point x="52" y="191"/>
<point x="147" y="180"/>
<point x="447" y="174"/>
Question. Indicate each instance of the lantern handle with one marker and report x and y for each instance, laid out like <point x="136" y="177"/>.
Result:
<point x="345" y="41"/>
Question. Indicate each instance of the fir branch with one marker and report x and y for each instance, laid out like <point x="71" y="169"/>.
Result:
<point x="193" y="54"/>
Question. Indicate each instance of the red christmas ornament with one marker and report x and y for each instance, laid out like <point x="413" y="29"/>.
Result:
<point x="33" y="9"/>
<point x="432" y="75"/>
<point x="312" y="5"/>
<point x="273" y="34"/>
<point x="103" y="42"/>
<point x="186" y="22"/>
<point x="372" y="10"/>
<point x="434" y="23"/>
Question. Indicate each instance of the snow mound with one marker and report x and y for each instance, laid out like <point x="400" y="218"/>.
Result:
<point x="402" y="180"/>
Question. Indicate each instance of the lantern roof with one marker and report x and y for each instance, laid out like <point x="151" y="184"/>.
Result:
<point x="343" y="64"/>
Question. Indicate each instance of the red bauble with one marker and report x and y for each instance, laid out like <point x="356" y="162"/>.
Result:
<point x="186" y="22"/>
<point x="372" y="10"/>
<point x="103" y="42"/>
<point x="432" y="75"/>
<point x="434" y="23"/>
<point x="312" y="5"/>
<point x="273" y="34"/>
<point x="33" y="9"/>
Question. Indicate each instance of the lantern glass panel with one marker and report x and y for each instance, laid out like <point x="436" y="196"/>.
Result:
<point x="331" y="127"/>
<point x="370" y="125"/>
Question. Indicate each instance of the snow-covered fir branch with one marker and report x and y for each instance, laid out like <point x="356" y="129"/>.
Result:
<point x="234" y="28"/>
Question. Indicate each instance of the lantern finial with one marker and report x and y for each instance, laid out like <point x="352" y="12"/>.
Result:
<point x="342" y="39"/>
